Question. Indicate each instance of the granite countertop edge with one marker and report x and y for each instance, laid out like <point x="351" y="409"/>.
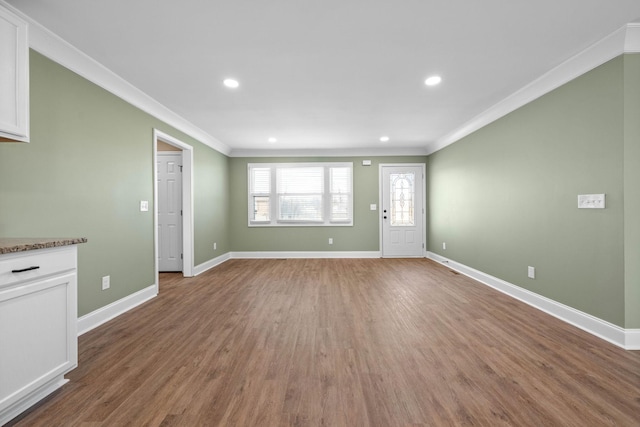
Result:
<point x="12" y="245"/>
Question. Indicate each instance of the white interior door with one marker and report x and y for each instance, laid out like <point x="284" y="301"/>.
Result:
<point x="402" y="206"/>
<point x="169" y="211"/>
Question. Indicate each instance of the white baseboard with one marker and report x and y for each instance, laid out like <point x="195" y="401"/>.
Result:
<point x="632" y="339"/>
<point x="104" y="314"/>
<point x="628" y="339"/>
<point x="31" y="399"/>
<point x="208" y="265"/>
<point x="306" y="254"/>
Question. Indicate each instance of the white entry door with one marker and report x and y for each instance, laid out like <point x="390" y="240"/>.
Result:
<point x="402" y="209"/>
<point x="169" y="211"/>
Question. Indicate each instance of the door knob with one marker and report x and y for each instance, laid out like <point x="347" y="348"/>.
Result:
<point x="385" y="217"/>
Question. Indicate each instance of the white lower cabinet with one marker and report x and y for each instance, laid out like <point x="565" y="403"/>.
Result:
<point x="38" y="325"/>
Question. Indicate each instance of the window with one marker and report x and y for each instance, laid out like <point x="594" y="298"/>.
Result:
<point x="289" y="194"/>
<point x="402" y="199"/>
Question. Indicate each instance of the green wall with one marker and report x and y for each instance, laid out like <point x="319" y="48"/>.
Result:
<point x="363" y="236"/>
<point x="88" y="165"/>
<point x="632" y="189"/>
<point x="502" y="198"/>
<point x="210" y="204"/>
<point x="505" y="197"/>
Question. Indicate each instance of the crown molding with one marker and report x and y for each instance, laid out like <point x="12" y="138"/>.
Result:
<point x="337" y="152"/>
<point x="57" y="49"/>
<point x="623" y="40"/>
<point x="632" y="39"/>
<point x="42" y="40"/>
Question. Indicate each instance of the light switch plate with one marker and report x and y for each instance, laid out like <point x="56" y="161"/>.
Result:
<point x="591" y="201"/>
<point x="144" y="206"/>
<point x="373" y="207"/>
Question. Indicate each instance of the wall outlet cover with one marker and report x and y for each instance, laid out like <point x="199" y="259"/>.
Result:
<point x="591" y="201"/>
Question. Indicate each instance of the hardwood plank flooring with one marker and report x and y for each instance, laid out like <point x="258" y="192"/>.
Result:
<point x="341" y="342"/>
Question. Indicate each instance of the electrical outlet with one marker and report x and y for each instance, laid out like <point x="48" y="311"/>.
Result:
<point x="215" y="246"/>
<point x="331" y="240"/>
<point x="444" y="246"/>
<point x="591" y="201"/>
<point x="106" y="282"/>
<point x="531" y="272"/>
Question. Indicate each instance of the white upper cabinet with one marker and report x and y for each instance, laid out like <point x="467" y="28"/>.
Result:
<point x="14" y="78"/>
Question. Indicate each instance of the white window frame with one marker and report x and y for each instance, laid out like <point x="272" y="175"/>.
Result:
<point x="273" y="196"/>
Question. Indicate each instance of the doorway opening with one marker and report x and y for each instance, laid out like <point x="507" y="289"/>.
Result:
<point x="173" y="219"/>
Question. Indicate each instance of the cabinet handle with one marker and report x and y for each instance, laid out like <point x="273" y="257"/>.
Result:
<point x="35" y="267"/>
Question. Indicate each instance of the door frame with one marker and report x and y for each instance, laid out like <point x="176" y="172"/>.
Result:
<point x="423" y="167"/>
<point x="187" y="202"/>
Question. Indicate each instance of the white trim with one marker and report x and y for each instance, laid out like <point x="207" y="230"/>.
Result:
<point x="208" y="265"/>
<point x="628" y="339"/>
<point x="305" y="254"/>
<point x="187" y="201"/>
<point x="424" y="204"/>
<point x="632" y="39"/>
<point x="104" y="314"/>
<point x="623" y="40"/>
<point x="37" y="395"/>
<point x="632" y="339"/>
<point x="337" y="152"/>
<point x="57" y="49"/>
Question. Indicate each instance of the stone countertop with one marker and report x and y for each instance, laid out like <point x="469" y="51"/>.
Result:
<point x="10" y="244"/>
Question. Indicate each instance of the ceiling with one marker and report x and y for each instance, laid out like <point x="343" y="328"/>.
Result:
<point x="330" y="74"/>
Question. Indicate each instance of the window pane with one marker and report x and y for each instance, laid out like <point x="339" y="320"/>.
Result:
<point x="261" y="180"/>
<point x="298" y="194"/>
<point x="261" y="207"/>
<point x="402" y="199"/>
<point x="301" y="180"/>
<point x="340" y="180"/>
<point x="301" y="208"/>
<point x="340" y="207"/>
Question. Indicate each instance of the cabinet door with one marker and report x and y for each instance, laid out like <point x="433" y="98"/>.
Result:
<point x="38" y="329"/>
<point x="14" y="78"/>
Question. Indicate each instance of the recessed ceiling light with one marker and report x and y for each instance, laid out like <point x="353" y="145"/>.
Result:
<point x="433" y="80"/>
<point x="231" y="83"/>
<point x="272" y="140"/>
<point x="384" y="139"/>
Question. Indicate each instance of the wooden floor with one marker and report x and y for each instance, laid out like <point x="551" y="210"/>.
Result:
<point x="341" y="342"/>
